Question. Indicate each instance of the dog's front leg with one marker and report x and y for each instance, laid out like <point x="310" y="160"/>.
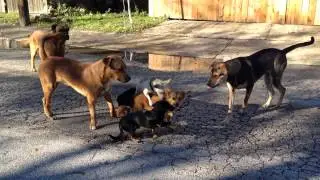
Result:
<point x="92" y="111"/>
<point x="231" y="97"/>
<point x="107" y="97"/>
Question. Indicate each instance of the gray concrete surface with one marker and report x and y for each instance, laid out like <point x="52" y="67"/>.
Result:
<point x="207" y="143"/>
<point x="203" y="39"/>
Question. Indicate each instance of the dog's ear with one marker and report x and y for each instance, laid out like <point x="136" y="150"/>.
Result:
<point x="212" y="65"/>
<point x="112" y="62"/>
<point x="53" y="27"/>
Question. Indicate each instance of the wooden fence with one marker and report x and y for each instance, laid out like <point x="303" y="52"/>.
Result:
<point x="274" y="11"/>
<point x="35" y="6"/>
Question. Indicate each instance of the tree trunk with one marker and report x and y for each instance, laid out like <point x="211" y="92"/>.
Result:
<point x="24" y="18"/>
<point x="129" y="12"/>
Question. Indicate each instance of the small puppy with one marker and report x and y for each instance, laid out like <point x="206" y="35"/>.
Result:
<point x="122" y="111"/>
<point x="139" y="102"/>
<point x="53" y="47"/>
<point x="89" y="79"/>
<point x="243" y="72"/>
<point x="148" y="119"/>
<point x="153" y="85"/>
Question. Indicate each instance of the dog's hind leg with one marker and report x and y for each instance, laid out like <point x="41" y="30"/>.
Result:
<point x="48" y="89"/>
<point x="268" y="81"/>
<point x="248" y="93"/>
<point x="281" y="89"/>
<point x="277" y="76"/>
<point x="33" y="53"/>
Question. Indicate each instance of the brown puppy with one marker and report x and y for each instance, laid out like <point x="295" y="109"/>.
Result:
<point x="53" y="47"/>
<point x="140" y="101"/>
<point x="89" y="79"/>
<point x="121" y="111"/>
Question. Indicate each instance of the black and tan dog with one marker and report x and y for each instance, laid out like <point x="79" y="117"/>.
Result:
<point x="53" y="46"/>
<point x="139" y="102"/>
<point x="243" y="72"/>
<point x="89" y="79"/>
<point x="148" y="119"/>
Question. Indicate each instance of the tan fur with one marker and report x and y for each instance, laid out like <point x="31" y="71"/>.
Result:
<point x="173" y="97"/>
<point x="53" y="47"/>
<point x="122" y="111"/>
<point x="89" y="79"/>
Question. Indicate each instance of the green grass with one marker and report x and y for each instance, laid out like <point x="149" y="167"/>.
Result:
<point x="111" y="22"/>
<point x="9" y="18"/>
<point x="107" y="22"/>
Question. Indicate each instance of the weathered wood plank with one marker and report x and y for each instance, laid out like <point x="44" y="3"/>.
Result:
<point x="311" y="12"/>
<point x="317" y="16"/>
<point x="244" y="10"/>
<point x="274" y="11"/>
<point x="227" y="10"/>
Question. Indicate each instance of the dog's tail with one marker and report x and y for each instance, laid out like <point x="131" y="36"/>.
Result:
<point x="290" y="48"/>
<point x="24" y="43"/>
<point x="119" y="137"/>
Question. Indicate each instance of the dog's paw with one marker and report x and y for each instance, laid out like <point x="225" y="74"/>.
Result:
<point x="50" y="118"/>
<point x="229" y="111"/>
<point x="265" y="106"/>
<point x="113" y="115"/>
<point x="34" y="70"/>
<point x="49" y="115"/>
<point x="93" y="127"/>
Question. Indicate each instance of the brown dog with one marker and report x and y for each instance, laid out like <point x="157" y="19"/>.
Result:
<point x="53" y="46"/>
<point x="89" y="79"/>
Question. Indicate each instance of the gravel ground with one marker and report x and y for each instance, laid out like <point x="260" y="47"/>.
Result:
<point x="207" y="143"/>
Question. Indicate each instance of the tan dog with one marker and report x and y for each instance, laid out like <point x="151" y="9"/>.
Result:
<point x="53" y="46"/>
<point x="89" y="79"/>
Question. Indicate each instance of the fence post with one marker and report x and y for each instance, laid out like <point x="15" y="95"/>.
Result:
<point x="24" y="18"/>
<point x="3" y="6"/>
